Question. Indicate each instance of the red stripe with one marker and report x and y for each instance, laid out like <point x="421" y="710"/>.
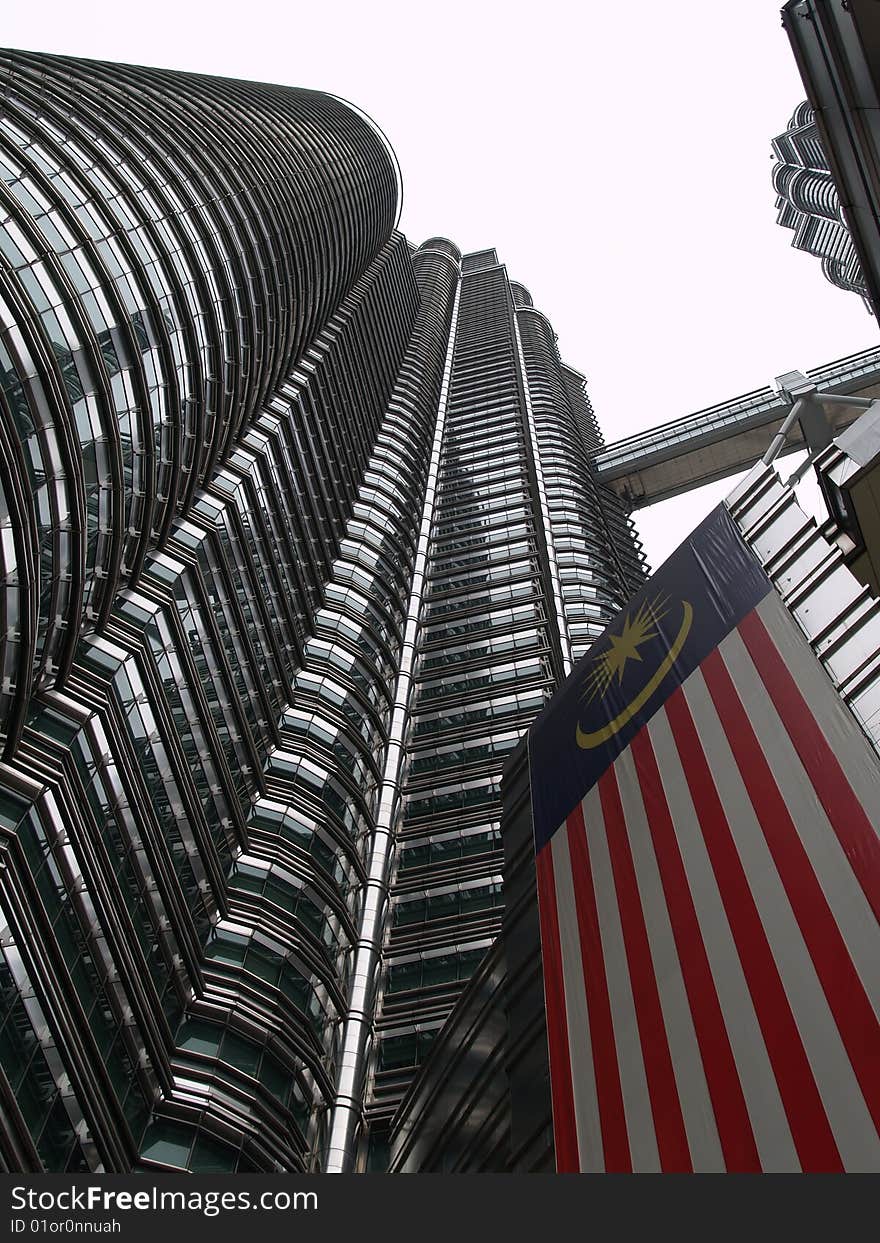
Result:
<point x="672" y="1144"/>
<point x="852" y="1010"/>
<point x="803" y="1106"/>
<point x="845" y="813"/>
<point x="725" y="1090"/>
<point x="561" y="1091"/>
<point x="612" y="1120"/>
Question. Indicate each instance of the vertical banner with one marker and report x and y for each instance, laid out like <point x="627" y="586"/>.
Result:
<point x="706" y="817"/>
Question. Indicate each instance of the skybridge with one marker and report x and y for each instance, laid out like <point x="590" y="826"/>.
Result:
<point x="733" y="436"/>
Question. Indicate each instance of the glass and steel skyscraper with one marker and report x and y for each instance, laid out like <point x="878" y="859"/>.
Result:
<point x="299" y="530"/>
<point x="526" y="562"/>
<point x="808" y="202"/>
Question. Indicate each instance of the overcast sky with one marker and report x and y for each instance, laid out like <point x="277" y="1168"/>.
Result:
<point x="616" y="155"/>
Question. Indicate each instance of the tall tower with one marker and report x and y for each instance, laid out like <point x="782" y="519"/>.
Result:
<point x="299" y="532"/>
<point x="527" y="561"/>
<point x="808" y="202"/>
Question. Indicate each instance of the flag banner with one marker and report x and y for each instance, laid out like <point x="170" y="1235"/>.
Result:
<point x="706" y="814"/>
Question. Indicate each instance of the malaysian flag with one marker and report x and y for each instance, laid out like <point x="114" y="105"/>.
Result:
<point x="706" y="817"/>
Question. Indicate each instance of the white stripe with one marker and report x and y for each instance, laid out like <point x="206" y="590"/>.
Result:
<point x="633" y="1083"/>
<point x="586" y="1104"/>
<point x="841" y="1095"/>
<point x="690" y="1078"/>
<point x="770" y="1126"/>
<point x="854" y="753"/>
<point x="844" y="894"/>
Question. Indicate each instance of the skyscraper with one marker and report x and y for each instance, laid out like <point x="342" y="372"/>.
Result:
<point x="299" y="532"/>
<point x="834" y="43"/>
<point x="809" y="204"/>
<point x="526" y="561"/>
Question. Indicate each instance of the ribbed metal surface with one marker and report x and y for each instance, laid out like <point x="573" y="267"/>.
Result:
<point x="284" y="578"/>
<point x="207" y="557"/>
<point x="440" y="289"/>
<point x="809" y="204"/>
<point x="594" y="556"/>
<point x="159" y="280"/>
<point x="518" y="553"/>
<point x="834" y="43"/>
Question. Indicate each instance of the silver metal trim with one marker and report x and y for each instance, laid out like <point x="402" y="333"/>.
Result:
<point x="348" y="1109"/>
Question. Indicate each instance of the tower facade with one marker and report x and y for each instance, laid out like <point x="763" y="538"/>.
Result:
<point x="299" y="531"/>
<point x="808" y="202"/>
<point x="527" y="560"/>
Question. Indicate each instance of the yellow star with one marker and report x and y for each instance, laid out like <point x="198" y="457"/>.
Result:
<point x="623" y="647"/>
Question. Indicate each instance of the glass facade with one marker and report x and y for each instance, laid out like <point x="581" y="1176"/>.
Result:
<point x="528" y="559"/>
<point x="808" y="202"/>
<point x="299" y="530"/>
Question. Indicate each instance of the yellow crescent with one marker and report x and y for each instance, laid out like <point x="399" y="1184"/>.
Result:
<point x="597" y="737"/>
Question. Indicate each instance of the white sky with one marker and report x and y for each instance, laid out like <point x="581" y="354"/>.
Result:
<point x="616" y="155"/>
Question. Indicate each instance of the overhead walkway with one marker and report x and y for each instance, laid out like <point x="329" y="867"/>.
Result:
<point x="728" y="438"/>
